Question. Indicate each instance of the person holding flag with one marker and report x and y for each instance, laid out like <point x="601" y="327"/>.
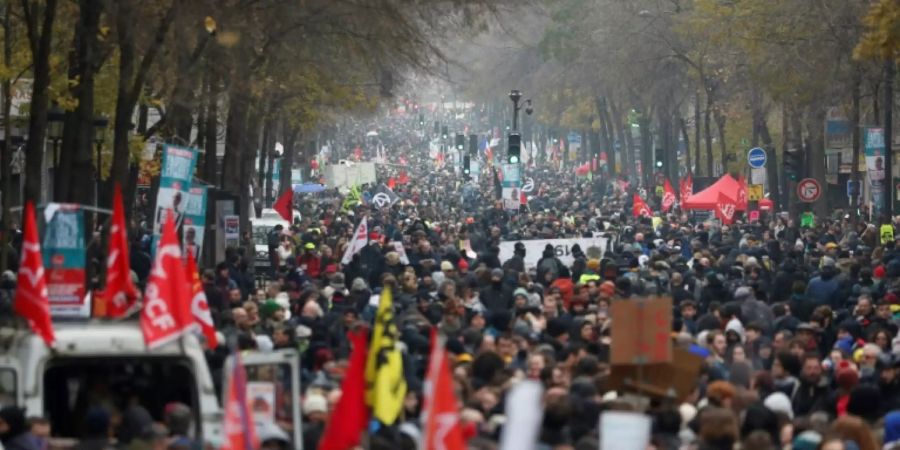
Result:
<point x="120" y="295"/>
<point x="385" y="381"/>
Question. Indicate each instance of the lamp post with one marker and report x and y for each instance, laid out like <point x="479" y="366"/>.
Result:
<point x="100" y="123"/>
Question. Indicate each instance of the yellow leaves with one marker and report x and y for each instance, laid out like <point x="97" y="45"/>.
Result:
<point x="881" y="39"/>
<point x="228" y="39"/>
<point x="210" y="25"/>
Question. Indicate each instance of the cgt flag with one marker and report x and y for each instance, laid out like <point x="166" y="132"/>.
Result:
<point x="239" y="428"/>
<point x="725" y="208"/>
<point x="385" y="382"/>
<point x="120" y="293"/>
<point x="31" y="302"/>
<point x="167" y="312"/>
<point x="639" y="207"/>
<point x="284" y="205"/>
<point x="199" y="304"/>
<point x="668" y="196"/>
<point x="686" y="187"/>
<point x="440" y="414"/>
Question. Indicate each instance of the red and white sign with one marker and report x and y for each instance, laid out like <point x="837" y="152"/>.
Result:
<point x="809" y="190"/>
<point x="725" y="208"/>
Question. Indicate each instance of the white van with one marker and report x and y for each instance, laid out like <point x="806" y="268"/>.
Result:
<point x="106" y="363"/>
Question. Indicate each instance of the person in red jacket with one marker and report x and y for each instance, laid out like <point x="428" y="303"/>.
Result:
<point x="310" y="261"/>
<point x="565" y="285"/>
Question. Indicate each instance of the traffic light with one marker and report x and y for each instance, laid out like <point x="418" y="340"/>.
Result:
<point x="444" y="134"/>
<point x="515" y="148"/>
<point x="473" y="144"/>
<point x="421" y="120"/>
<point x="460" y="142"/>
<point x="466" y="167"/>
<point x="793" y="162"/>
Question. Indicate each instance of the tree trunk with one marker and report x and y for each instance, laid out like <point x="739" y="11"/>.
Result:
<point x="723" y="146"/>
<point x="269" y="150"/>
<point x="815" y="126"/>
<point x="682" y="124"/>
<point x="856" y="135"/>
<point x="890" y="67"/>
<point x="707" y="133"/>
<point x="291" y="137"/>
<point x="697" y="131"/>
<point x="611" y="137"/>
<point x="40" y="41"/>
<point x="6" y="156"/>
<point x="250" y="144"/>
<point x="234" y="138"/>
<point x="83" y="187"/>
<point x="210" y="163"/>
<point x="131" y="82"/>
<point x="646" y="149"/>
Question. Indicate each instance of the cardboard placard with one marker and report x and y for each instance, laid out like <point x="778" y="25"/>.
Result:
<point x="641" y="332"/>
<point x="676" y="379"/>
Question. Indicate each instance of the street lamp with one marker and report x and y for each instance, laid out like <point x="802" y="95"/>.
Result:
<point x="100" y="123"/>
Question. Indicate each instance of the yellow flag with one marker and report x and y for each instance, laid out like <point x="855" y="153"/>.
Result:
<point x="385" y="384"/>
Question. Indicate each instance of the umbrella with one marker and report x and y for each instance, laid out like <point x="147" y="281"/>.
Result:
<point x="309" y="188"/>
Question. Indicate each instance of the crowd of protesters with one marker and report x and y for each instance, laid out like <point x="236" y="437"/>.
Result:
<point x="796" y="325"/>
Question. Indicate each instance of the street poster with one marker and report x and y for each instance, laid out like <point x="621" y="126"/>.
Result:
<point x="261" y="401"/>
<point x="194" y="222"/>
<point x="807" y="220"/>
<point x="174" y="186"/>
<point x="875" y="150"/>
<point x="64" y="260"/>
<point x="512" y="180"/>
<point x="231" y="224"/>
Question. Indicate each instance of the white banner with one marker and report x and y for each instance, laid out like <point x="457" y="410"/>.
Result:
<point x="561" y="247"/>
<point x="524" y="413"/>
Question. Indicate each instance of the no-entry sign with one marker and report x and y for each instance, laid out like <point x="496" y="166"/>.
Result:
<point x="809" y="190"/>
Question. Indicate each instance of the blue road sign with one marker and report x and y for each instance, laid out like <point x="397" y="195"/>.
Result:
<point x="756" y="157"/>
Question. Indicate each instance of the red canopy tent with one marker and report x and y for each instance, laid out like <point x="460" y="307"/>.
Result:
<point x="707" y="198"/>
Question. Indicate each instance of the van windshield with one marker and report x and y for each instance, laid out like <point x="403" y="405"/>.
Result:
<point x="261" y="234"/>
<point x="72" y="386"/>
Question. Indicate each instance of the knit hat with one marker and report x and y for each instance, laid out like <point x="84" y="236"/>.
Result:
<point x="462" y="265"/>
<point x="607" y="288"/>
<point x="520" y="291"/>
<point x="337" y="282"/>
<point x="268" y="308"/>
<point x="778" y="402"/>
<point x="846" y="376"/>
<point x="497" y="273"/>
<point x="807" y="440"/>
<point x="879" y="272"/>
<point x="358" y="285"/>
<point x="594" y="265"/>
<point x="446" y="266"/>
<point x="314" y="403"/>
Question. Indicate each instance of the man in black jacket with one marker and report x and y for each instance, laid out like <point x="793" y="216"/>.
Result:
<point x="814" y="386"/>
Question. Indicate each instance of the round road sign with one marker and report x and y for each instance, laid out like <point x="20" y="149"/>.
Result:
<point x="756" y="157"/>
<point x="809" y="190"/>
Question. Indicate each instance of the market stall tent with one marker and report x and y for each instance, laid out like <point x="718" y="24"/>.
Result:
<point x="707" y="198"/>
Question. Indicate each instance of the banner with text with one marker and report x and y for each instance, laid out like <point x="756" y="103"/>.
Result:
<point x="174" y="187"/>
<point x="562" y="248"/>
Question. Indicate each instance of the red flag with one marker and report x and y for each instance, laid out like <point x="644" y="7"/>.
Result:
<point x="668" y="196"/>
<point x="403" y="178"/>
<point x="350" y="416"/>
<point x="199" y="304"/>
<point x="239" y="428"/>
<point x="120" y="291"/>
<point x="392" y="183"/>
<point x="725" y="208"/>
<point x="167" y="310"/>
<point x="440" y="413"/>
<point x="31" y="302"/>
<point x="284" y="205"/>
<point x="741" y="200"/>
<point x="687" y="187"/>
<point x="640" y="208"/>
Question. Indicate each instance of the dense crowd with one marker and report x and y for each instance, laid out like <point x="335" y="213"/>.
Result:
<point x="796" y="326"/>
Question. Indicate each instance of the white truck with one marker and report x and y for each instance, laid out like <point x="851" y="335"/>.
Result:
<point x="107" y="363"/>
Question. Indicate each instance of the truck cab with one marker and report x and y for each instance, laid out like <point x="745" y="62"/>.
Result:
<point x="107" y="364"/>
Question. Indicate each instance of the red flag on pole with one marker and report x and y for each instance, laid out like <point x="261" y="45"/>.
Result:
<point x="668" y="196"/>
<point x="725" y="208"/>
<point x="120" y="291"/>
<point x="392" y="183"/>
<point x="31" y="302"/>
<point x="440" y="413"/>
<point x="167" y="312"/>
<point x="640" y="208"/>
<point x="350" y="416"/>
<point x="741" y="200"/>
<point x="687" y="187"/>
<point x="199" y="304"/>
<point x="285" y="204"/>
<point x="239" y="428"/>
